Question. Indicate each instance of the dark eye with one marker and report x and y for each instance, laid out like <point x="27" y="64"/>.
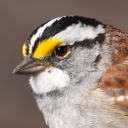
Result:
<point x="61" y="51"/>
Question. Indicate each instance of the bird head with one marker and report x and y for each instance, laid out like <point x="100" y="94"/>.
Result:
<point x="61" y="52"/>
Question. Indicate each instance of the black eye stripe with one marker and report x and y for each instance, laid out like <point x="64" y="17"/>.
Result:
<point x="88" y="43"/>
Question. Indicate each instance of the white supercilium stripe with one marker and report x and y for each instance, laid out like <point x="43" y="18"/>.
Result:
<point x="79" y="32"/>
<point x="40" y="31"/>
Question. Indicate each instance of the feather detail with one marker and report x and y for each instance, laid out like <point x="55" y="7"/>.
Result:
<point x="114" y="80"/>
<point x="116" y="73"/>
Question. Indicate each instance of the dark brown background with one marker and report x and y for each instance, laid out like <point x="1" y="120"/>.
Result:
<point x="18" y="18"/>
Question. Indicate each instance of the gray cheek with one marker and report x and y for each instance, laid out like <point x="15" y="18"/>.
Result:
<point x="82" y="65"/>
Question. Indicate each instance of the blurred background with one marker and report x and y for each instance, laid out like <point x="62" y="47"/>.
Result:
<point x="18" y="18"/>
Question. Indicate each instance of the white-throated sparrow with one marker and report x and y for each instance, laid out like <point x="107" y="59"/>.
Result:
<point x="79" y="73"/>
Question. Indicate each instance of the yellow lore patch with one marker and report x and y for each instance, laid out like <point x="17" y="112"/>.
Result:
<point x="45" y="47"/>
<point x="24" y="49"/>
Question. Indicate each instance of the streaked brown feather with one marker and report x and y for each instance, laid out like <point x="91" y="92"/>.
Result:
<point x="115" y="78"/>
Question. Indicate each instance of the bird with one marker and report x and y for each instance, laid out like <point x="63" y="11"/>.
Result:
<point x="78" y="71"/>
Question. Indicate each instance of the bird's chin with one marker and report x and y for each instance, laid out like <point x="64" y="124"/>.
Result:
<point x="48" y="80"/>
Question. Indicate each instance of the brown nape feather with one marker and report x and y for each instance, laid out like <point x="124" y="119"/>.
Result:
<point x="115" y="79"/>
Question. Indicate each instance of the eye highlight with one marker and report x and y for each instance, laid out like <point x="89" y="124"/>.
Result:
<point x="61" y="51"/>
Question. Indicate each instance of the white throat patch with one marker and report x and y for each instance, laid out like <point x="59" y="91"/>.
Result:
<point x="49" y="80"/>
